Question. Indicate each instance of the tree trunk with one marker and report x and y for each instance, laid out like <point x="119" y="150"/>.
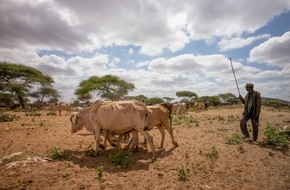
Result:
<point x="21" y="101"/>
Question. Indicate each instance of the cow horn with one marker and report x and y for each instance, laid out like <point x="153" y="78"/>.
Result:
<point x="74" y="119"/>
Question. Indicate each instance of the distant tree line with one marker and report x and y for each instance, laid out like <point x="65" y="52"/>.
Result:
<point x="19" y="83"/>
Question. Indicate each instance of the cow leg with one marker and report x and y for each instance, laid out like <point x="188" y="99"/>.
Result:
<point x="97" y="138"/>
<point x="150" y="140"/>
<point x="134" y="141"/>
<point x="172" y="137"/>
<point x="162" y="135"/>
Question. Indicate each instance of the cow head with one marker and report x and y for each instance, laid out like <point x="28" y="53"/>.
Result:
<point x="76" y="125"/>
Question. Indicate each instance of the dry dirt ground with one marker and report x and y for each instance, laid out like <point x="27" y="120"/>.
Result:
<point x="202" y="160"/>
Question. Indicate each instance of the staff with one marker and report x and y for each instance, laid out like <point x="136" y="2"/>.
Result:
<point x="235" y="77"/>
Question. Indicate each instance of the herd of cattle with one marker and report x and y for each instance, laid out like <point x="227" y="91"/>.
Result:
<point x="125" y="117"/>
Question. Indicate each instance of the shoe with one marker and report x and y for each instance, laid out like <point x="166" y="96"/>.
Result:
<point x="248" y="139"/>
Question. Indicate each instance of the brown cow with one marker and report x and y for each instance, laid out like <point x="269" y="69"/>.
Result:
<point x="60" y="106"/>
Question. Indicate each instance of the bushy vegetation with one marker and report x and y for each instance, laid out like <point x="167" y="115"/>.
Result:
<point x="182" y="173"/>
<point x="51" y="113"/>
<point x="100" y="171"/>
<point x="120" y="157"/>
<point x="4" y="117"/>
<point x="213" y="154"/>
<point x="234" y="139"/>
<point x="32" y="113"/>
<point x="272" y="136"/>
<point x="187" y="120"/>
<point x="56" y="153"/>
<point x="90" y="151"/>
<point x="275" y="104"/>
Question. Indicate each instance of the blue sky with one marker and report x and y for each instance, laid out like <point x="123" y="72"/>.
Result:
<point x="160" y="46"/>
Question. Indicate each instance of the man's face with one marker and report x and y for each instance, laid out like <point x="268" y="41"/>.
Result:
<point x="248" y="88"/>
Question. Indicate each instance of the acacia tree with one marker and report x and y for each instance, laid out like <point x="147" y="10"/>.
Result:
<point x="19" y="80"/>
<point x="227" y="96"/>
<point x="109" y="87"/>
<point x="214" y="100"/>
<point x="140" y="98"/>
<point x="84" y="97"/>
<point x="186" y="95"/>
<point x="168" y="99"/>
<point x="154" y="100"/>
<point x="45" y="92"/>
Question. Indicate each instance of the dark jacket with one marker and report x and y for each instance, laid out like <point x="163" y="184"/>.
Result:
<point x="255" y="104"/>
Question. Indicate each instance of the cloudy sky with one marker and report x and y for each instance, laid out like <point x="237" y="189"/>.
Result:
<point x="160" y="46"/>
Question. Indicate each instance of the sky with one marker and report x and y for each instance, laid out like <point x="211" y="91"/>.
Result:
<point x="160" y="46"/>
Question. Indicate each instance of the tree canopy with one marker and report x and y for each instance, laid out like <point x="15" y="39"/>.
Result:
<point x="154" y="100"/>
<point x="109" y="87"/>
<point x="19" y="80"/>
<point x="226" y="96"/>
<point x="186" y="95"/>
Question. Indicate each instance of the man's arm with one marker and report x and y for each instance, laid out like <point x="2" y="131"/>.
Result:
<point x="242" y="99"/>
<point x="258" y="104"/>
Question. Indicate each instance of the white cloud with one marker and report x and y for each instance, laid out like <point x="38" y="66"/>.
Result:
<point x="131" y="51"/>
<point x="238" y="42"/>
<point x="74" y="26"/>
<point x="155" y="27"/>
<point x="274" y="51"/>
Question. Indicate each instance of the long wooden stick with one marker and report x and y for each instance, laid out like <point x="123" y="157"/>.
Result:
<point x="235" y="76"/>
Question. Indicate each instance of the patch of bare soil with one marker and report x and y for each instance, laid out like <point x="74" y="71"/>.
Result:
<point x="202" y="160"/>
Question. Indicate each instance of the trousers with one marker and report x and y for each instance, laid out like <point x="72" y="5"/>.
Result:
<point x="255" y="125"/>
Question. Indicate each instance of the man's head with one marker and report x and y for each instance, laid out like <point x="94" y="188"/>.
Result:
<point x="249" y="86"/>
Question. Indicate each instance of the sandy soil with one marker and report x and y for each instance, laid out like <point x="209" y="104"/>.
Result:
<point x="208" y="162"/>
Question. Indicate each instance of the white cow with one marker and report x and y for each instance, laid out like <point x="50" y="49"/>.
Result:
<point x="118" y="116"/>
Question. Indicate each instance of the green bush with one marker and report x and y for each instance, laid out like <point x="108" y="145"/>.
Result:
<point x="182" y="174"/>
<point x="272" y="136"/>
<point x="189" y="121"/>
<point x="213" y="154"/>
<point x="90" y="151"/>
<point x="120" y="158"/>
<point x="100" y="171"/>
<point x="234" y="139"/>
<point x="33" y="113"/>
<point x="56" y="153"/>
<point x="51" y="113"/>
<point x="8" y="117"/>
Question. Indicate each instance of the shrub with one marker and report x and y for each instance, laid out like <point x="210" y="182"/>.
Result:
<point x="231" y="119"/>
<point x="120" y="158"/>
<point x="51" y="113"/>
<point x="234" y="139"/>
<point x="181" y="119"/>
<point x="8" y="117"/>
<point x="220" y="118"/>
<point x="100" y="171"/>
<point x="182" y="174"/>
<point x="213" y="154"/>
<point x="90" y="151"/>
<point x="33" y="113"/>
<point x="56" y="153"/>
<point x="273" y="137"/>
